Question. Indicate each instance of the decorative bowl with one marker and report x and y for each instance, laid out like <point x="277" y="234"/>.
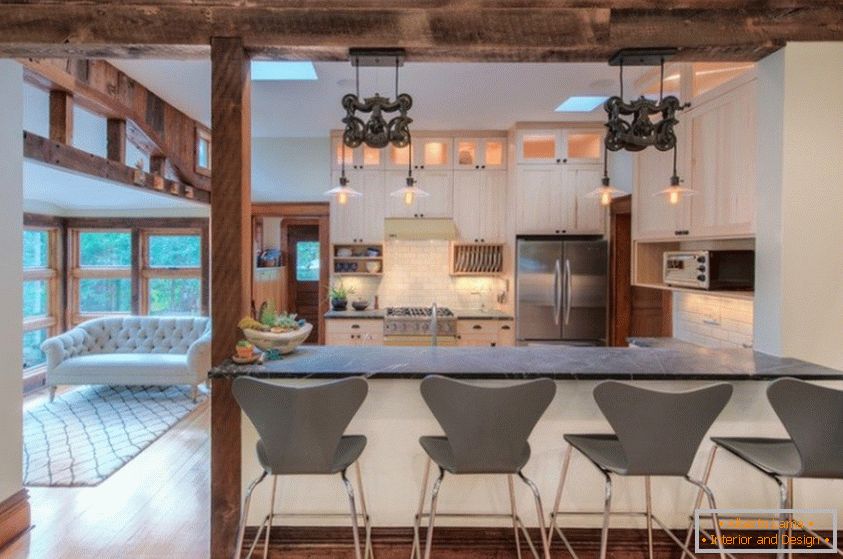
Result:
<point x="284" y="342"/>
<point x="344" y="252"/>
<point x="360" y="305"/>
<point x="373" y="267"/>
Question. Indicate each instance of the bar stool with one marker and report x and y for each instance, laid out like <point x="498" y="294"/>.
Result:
<point x="486" y="430"/>
<point x="300" y="432"/>
<point x="656" y="434"/>
<point x="812" y="416"/>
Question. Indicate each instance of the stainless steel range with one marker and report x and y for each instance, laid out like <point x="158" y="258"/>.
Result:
<point x="419" y="326"/>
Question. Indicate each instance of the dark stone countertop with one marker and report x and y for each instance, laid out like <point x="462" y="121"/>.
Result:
<point x="562" y="363"/>
<point x="661" y="343"/>
<point x="461" y="314"/>
<point x="373" y="314"/>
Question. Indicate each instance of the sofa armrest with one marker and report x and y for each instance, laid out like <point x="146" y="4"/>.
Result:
<point x="64" y="346"/>
<point x="199" y="356"/>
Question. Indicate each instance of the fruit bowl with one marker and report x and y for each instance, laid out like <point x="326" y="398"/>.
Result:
<point x="284" y="342"/>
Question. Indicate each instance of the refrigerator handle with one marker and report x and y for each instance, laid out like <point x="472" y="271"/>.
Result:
<point x="557" y="292"/>
<point x="569" y="288"/>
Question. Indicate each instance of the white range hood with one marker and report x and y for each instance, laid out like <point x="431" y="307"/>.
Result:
<point x="419" y="229"/>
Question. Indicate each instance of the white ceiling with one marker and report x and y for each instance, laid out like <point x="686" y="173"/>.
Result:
<point x="445" y="95"/>
<point x="75" y="192"/>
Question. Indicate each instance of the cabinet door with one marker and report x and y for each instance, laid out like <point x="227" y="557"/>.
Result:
<point x="653" y="217"/>
<point x="493" y="152"/>
<point x="337" y="154"/>
<point x="589" y="216"/>
<point x="374" y="205"/>
<point x="432" y="153"/>
<point x="539" y="199"/>
<point x="492" y="206"/>
<point x="723" y="141"/>
<point x="467" y="153"/>
<point x="395" y="206"/>
<point x="539" y="146"/>
<point x="584" y="146"/>
<point x="440" y="186"/>
<point x="347" y="219"/>
<point x="468" y="191"/>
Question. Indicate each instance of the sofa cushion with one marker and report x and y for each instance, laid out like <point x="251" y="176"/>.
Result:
<point x="128" y="368"/>
<point x="142" y="334"/>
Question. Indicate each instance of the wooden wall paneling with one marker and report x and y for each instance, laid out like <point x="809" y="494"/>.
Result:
<point x="231" y="268"/>
<point x="116" y="139"/>
<point x="15" y="518"/>
<point x="61" y="116"/>
<point x="68" y="157"/>
<point x="156" y="127"/>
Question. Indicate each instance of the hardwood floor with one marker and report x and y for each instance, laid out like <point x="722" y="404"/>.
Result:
<point x="155" y="507"/>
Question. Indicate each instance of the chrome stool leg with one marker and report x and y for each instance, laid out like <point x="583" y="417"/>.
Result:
<point x="607" y="507"/>
<point x="554" y="527"/>
<point x="368" y="552"/>
<point x="350" y="490"/>
<point x="648" y="497"/>
<point x="416" y="552"/>
<point x="539" y="512"/>
<point x="434" y="497"/>
<point x="514" y="515"/>
<point x="269" y="518"/>
<point x="241" y="531"/>
<point x="698" y="502"/>
<point x="715" y="521"/>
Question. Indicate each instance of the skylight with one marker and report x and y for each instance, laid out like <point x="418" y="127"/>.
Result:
<point x="580" y="104"/>
<point x="272" y="70"/>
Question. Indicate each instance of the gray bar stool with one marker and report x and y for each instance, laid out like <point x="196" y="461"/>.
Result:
<point x="656" y="434"/>
<point x="812" y="416"/>
<point x="300" y="432"/>
<point x="486" y="431"/>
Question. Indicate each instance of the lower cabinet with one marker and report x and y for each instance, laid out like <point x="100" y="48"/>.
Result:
<point x="343" y="331"/>
<point x="486" y="333"/>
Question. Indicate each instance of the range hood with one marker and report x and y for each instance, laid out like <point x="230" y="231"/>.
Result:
<point x="414" y="229"/>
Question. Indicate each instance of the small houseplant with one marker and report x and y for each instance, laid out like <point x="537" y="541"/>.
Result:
<point x="338" y="294"/>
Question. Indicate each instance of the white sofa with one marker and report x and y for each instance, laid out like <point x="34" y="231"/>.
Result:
<point x="133" y="350"/>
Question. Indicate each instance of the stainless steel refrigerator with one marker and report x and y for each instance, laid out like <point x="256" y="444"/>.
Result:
<point x="561" y="290"/>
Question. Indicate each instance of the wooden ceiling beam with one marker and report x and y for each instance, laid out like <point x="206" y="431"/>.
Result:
<point x="66" y="157"/>
<point x="155" y="126"/>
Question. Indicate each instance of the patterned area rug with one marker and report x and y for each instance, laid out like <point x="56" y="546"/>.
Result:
<point x="86" y="435"/>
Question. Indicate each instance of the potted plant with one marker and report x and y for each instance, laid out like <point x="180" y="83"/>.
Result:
<point x="339" y="296"/>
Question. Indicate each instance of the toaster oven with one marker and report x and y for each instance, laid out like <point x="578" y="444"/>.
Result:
<point x="710" y="269"/>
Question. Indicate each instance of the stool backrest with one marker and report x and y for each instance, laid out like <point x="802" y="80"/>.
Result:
<point x="487" y="426"/>
<point x="660" y="432"/>
<point x="299" y="426"/>
<point x="813" y="417"/>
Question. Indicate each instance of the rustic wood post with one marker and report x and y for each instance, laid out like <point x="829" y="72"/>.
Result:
<point x="116" y="144"/>
<point x="61" y="117"/>
<point x="230" y="272"/>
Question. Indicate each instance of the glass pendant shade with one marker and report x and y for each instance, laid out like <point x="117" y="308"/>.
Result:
<point x="409" y="192"/>
<point x="606" y="192"/>
<point x="343" y="192"/>
<point x="674" y="192"/>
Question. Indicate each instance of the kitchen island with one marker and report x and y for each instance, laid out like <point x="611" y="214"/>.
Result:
<point x="394" y="416"/>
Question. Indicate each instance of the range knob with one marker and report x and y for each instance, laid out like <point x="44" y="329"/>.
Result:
<point x="701" y="259"/>
<point x="701" y="268"/>
<point x="701" y="277"/>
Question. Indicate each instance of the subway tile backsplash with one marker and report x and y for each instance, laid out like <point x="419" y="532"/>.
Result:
<point x="417" y="273"/>
<point x="712" y="321"/>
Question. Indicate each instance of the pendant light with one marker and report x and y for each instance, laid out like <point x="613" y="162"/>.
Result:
<point x="675" y="192"/>
<point x="410" y="192"/>
<point x="343" y="192"/>
<point x="606" y="192"/>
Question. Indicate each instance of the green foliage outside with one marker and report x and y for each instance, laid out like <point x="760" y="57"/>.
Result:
<point x="32" y="354"/>
<point x="110" y="249"/>
<point x="105" y="295"/>
<point x="307" y="261"/>
<point x="174" y="296"/>
<point x="175" y="251"/>
<point x="35" y="249"/>
<point x="34" y="298"/>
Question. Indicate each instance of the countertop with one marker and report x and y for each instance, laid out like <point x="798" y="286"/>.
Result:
<point x="661" y="343"/>
<point x="562" y="363"/>
<point x="461" y="314"/>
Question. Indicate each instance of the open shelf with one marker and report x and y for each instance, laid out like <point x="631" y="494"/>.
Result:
<point x="355" y="264"/>
<point x="742" y="295"/>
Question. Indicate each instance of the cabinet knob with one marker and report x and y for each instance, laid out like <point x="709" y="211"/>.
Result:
<point x="355" y="326"/>
<point x="559" y="161"/>
<point x="422" y="166"/>
<point x="565" y="160"/>
<point x="476" y="241"/>
<point x="482" y="240"/>
<point x="477" y="166"/>
<point x="507" y="327"/>
<point x="421" y="215"/>
<point x="476" y="327"/>
<point x="482" y="166"/>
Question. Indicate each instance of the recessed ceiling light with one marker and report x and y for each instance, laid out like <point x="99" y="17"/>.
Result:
<point x="581" y="104"/>
<point x="272" y="70"/>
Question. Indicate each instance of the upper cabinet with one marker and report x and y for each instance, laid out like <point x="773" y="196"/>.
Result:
<point x="479" y="153"/>
<point x="576" y="145"/>
<point x="438" y="184"/>
<point x="362" y="157"/>
<point x="717" y="160"/>
<point x="723" y="164"/>
<point x="360" y="219"/>
<point x="552" y="199"/>
<point x="479" y="205"/>
<point x="428" y="153"/>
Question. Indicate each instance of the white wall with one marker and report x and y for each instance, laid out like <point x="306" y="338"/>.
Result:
<point x="290" y="169"/>
<point x="11" y="298"/>
<point x="799" y="300"/>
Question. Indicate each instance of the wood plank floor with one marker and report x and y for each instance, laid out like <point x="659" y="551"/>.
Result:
<point x="156" y="506"/>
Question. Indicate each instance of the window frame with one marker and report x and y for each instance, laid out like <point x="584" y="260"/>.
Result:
<point x="148" y="272"/>
<point x="51" y="274"/>
<point x="77" y="273"/>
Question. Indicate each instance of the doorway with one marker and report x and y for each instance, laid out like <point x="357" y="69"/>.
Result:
<point x="307" y="263"/>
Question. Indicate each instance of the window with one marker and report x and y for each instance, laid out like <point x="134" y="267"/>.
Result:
<point x="307" y="261"/>
<point x="172" y="272"/>
<point x="203" y="151"/>
<point x="101" y="273"/>
<point x="40" y="292"/>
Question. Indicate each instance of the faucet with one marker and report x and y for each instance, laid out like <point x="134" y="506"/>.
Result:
<point x="434" y="324"/>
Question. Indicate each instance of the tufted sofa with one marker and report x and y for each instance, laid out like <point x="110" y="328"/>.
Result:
<point x="144" y="350"/>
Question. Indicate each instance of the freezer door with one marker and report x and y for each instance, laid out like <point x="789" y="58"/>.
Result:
<point x="585" y="267"/>
<point x="539" y="286"/>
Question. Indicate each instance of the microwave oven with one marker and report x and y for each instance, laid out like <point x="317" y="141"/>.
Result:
<point x="710" y="269"/>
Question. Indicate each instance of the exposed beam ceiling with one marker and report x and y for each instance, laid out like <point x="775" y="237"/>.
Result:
<point x="459" y="30"/>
